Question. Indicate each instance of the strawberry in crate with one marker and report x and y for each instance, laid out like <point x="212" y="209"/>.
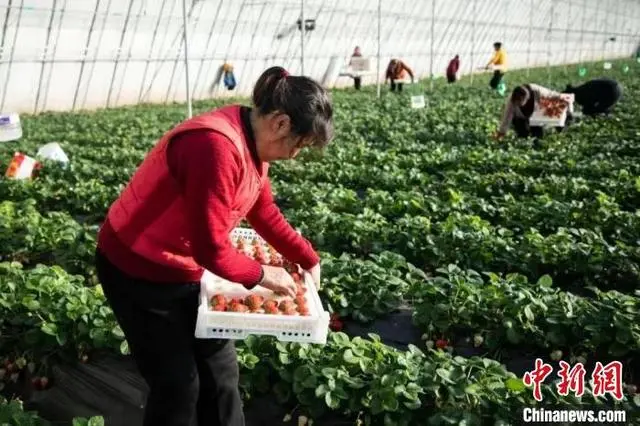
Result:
<point x="301" y="303"/>
<point x="301" y="289"/>
<point x="553" y="107"/>
<point x="258" y="252"/>
<point x="218" y="303"/>
<point x="237" y="305"/>
<point x="271" y="307"/>
<point x="288" y="307"/>
<point x="254" y="303"/>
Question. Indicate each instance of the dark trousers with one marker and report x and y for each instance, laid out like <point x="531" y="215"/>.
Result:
<point x="524" y="130"/>
<point x="357" y="82"/>
<point x="496" y="79"/>
<point x="395" y="86"/>
<point x="191" y="381"/>
<point x="451" y="78"/>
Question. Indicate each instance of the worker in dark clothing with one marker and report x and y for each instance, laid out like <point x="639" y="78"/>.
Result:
<point x="357" y="80"/>
<point x="596" y="96"/>
<point x="452" y="69"/>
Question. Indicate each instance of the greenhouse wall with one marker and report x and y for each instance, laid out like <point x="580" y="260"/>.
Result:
<point x="85" y="54"/>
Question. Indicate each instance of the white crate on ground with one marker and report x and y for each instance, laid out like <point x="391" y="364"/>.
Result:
<point x="235" y="325"/>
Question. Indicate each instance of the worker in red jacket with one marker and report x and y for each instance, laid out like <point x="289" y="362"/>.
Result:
<point x="452" y="69"/>
<point x="173" y="220"/>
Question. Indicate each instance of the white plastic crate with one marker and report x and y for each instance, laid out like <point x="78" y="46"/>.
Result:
<point x="236" y="325"/>
<point x="539" y="119"/>
<point x="405" y="81"/>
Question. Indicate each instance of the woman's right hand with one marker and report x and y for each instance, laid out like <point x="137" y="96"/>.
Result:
<point x="278" y="280"/>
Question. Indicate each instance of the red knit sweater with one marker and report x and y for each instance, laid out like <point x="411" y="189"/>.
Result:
<point x="206" y="168"/>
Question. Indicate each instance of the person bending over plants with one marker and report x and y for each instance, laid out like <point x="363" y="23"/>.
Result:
<point x="597" y="96"/>
<point x="397" y="72"/>
<point x="520" y="107"/>
<point x="173" y="219"/>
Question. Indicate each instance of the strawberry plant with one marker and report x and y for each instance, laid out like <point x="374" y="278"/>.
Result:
<point x="509" y="310"/>
<point x="366" y="289"/>
<point x="45" y="311"/>
<point x="12" y="413"/>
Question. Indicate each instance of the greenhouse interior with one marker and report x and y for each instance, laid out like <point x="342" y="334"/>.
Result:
<point x="322" y="212"/>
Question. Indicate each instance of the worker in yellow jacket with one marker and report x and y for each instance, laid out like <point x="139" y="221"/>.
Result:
<point x="499" y="63"/>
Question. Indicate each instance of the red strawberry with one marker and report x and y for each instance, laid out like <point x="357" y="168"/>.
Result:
<point x="218" y="299"/>
<point x="253" y="301"/>
<point x="270" y="304"/>
<point x="35" y="382"/>
<point x="287" y="305"/>
<point x="219" y="307"/>
<point x="296" y="277"/>
<point x="275" y="261"/>
<point x="301" y="301"/>
<point x="442" y="343"/>
<point x="271" y="309"/>
<point x="239" y="307"/>
<point x="335" y="325"/>
<point x="44" y="382"/>
<point x="303" y="310"/>
<point x="290" y="311"/>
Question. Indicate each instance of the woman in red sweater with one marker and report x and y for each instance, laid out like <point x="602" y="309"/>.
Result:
<point x="173" y="220"/>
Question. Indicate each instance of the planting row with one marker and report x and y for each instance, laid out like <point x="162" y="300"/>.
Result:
<point x="48" y="313"/>
<point x="428" y="231"/>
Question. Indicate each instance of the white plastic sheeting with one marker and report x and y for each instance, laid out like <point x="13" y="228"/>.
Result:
<point x="72" y="54"/>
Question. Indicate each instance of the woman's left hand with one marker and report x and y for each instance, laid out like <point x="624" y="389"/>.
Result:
<point x="315" y="274"/>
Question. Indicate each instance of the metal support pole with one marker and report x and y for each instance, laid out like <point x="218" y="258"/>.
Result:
<point x="302" y="30"/>
<point x="606" y="28"/>
<point x="186" y="58"/>
<point x="473" y="39"/>
<point x="549" y="40"/>
<point x="566" y="39"/>
<point x="584" y="17"/>
<point x="530" y="38"/>
<point x="594" y="42"/>
<point x="379" y="44"/>
<point x="433" y="35"/>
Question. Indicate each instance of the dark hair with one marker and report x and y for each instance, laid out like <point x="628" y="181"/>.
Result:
<point x="518" y="93"/>
<point x="569" y="89"/>
<point x="305" y="102"/>
<point x="497" y="45"/>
